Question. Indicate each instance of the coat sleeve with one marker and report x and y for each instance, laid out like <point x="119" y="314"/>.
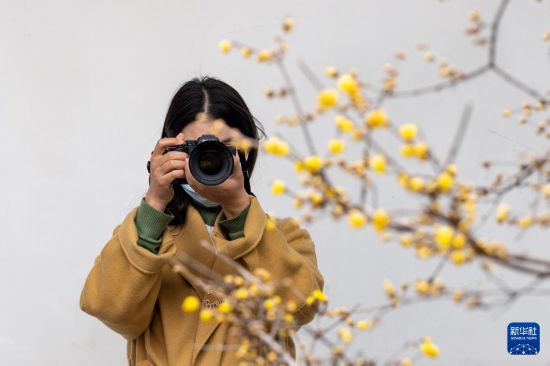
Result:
<point x="122" y="287"/>
<point x="288" y="252"/>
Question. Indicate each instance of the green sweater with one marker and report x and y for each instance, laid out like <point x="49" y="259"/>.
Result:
<point x="151" y="223"/>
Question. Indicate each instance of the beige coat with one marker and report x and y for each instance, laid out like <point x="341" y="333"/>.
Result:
<point x="136" y="293"/>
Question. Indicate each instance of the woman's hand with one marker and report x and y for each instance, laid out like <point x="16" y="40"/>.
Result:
<point x="230" y="194"/>
<point x="164" y="169"/>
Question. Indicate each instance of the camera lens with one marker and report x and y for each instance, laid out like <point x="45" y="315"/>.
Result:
<point x="210" y="162"/>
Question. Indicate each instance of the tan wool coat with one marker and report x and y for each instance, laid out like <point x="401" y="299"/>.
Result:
<point x="136" y="293"/>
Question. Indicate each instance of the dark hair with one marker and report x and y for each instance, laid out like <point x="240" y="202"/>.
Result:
<point x="216" y="99"/>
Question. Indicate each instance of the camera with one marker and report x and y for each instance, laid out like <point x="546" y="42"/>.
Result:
<point x="210" y="160"/>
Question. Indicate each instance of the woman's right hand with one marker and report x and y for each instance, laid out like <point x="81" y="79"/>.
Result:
<point x="164" y="169"/>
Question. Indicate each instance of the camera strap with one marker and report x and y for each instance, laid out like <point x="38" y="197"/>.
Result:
<point x="244" y="167"/>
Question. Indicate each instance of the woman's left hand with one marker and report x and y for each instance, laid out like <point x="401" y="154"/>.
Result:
<point x="230" y="194"/>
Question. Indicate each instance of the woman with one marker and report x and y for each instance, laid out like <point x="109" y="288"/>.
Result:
<point x="131" y="287"/>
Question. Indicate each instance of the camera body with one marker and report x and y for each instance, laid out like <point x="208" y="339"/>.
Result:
<point x="210" y="160"/>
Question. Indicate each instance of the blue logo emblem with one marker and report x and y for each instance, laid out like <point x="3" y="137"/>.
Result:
<point x="523" y="338"/>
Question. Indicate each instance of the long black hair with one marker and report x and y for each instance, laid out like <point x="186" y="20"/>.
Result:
<point x="216" y="99"/>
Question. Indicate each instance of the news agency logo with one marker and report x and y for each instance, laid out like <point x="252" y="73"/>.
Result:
<point x="523" y="338"/>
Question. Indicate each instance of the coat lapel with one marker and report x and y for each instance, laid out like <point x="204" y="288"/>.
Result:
<point x="188" y="243"/>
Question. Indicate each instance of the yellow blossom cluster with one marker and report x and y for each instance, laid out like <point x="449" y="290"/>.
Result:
<point x="442" y="226"/>
<point x="376" y="118"/>
<point x="527" y="111"/>
<point x="264" y="55"/>
<point x="428" y="348"/>
<point x="429" y="288"/>
<point x="502" y="215"/>
<point x="276" y="146"/>
<point x="242" y="298"/>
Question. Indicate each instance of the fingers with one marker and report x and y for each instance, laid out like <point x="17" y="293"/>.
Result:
<point x="171" y="164"/>
<point x="165" y="142"/>
<point x="169" y="177"/>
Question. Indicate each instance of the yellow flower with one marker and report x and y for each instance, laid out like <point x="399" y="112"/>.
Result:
<point x="525" y="222"/>
<point x="348" y="84"/>
<point x="406" y="362"/>
<point x="458" y="257"/>
<point x="278" y="187"/>
<point x="406" y="240"/>
<point x="408" y="131"/>
<point x="380" y="220"/>
<point x="457" y="295"/>
<point x="246" y="52"/>
<point x="424" y="252"/>
<point x="225" y="46"/>
<point x="264" y="55"/>
<point x="345" y="334"/>
<point x="376" y="118"/>
<point x="242" y="350"/>
<point x="272" y="356"/>
<point x="416" y="184"/>
<point x="313" y="163"/>
<point x="546" y="190"/>
<point x="451" y="169"/>
<point x="270" y="224"/>
<point x="378" y="163"/>
<point x="356" y="218"/>
<point x="327" y="98"/>
<point x="444" y="236"/>
<point x="316" y="198"/>
<point x="289" y="318"/>
<point x="458" y="240"/>
<point x="428" y="348"/>
<point x="262" y="273"/>
<point x="241" y="293"/>
<point x="269" y="304"/>
<point x="331" y="71"/>
<point x="421" y="150"/>
<point x="206" y="315"/>
<point x="506" y="112"/>
<point x="445" y="181"/>
<point x="319" y="295"/>
<point x="225" y="307"/>
<point x="407" y="150"/>
<point x="336" y="146"/>
<point x="388" y="287"/>
<point x="422" y="287"/>
<point x="356" y="134"/>
<point x="364" y="324"/>
<point x="343" y="123"/>
<point x="403" y="180"/>
<point x="254" y="289"/>
<point x="291" y="306"/>
<point x="276" y="146"/>
<point x="190" y="304"/>
<point x="502" y="212"/>
<point x="288" y="24"/>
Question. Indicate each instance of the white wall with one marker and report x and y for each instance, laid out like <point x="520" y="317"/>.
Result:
<point x="84" y="87"/>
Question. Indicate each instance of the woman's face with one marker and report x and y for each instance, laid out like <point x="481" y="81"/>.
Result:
<point x="196" y="129"/>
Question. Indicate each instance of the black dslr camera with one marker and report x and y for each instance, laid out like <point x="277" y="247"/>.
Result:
<point x="210" y="160"/>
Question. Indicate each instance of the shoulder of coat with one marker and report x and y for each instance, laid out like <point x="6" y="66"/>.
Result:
<point x="287" y="222"/>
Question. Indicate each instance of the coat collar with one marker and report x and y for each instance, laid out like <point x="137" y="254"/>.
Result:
<point x="188" y="243"/>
